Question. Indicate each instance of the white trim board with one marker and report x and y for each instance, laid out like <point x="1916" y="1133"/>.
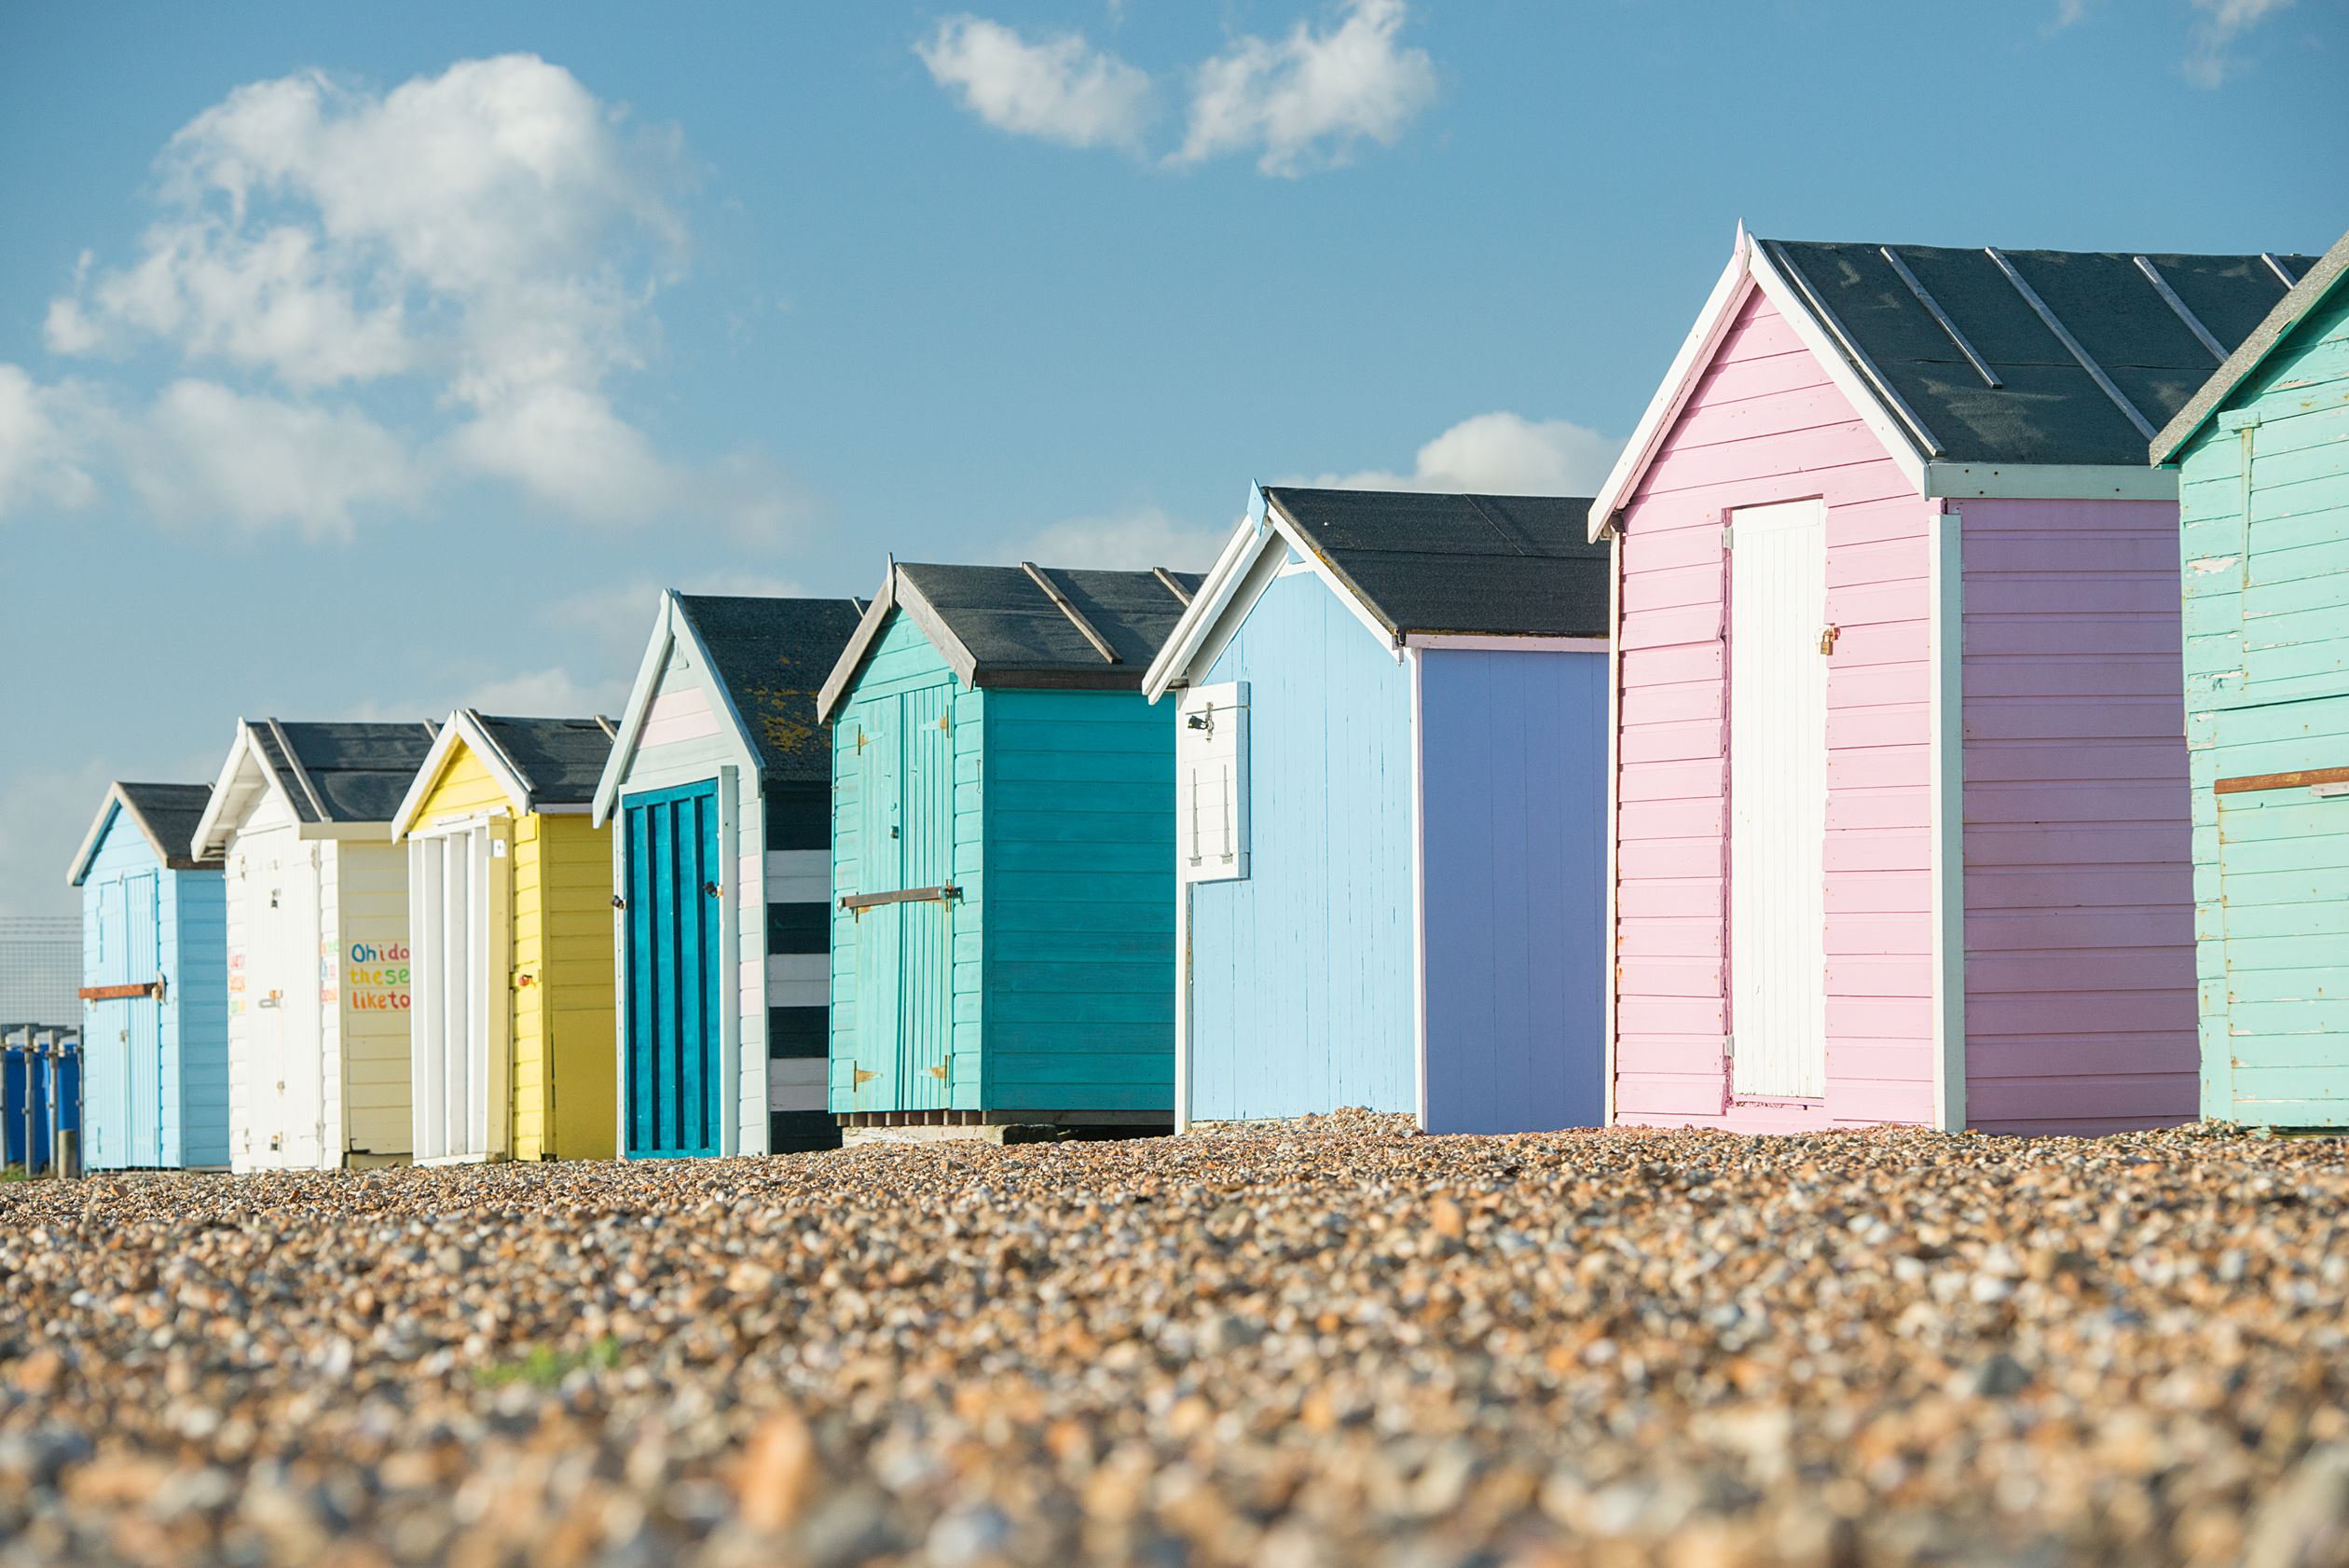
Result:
<point x="1465" y="642"/>
<point x="1946" y="664"/>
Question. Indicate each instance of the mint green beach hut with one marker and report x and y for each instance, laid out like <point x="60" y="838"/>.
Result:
<point x="2263" y="457"/>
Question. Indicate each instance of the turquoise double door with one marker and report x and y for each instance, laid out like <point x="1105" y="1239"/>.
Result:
<point x="675" y="1090"/>
<point x="904" y="909"/>
<point x="122" y="1035"/>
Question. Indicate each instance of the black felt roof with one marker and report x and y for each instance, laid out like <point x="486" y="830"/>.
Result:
<point x="170" y="813"/>
<point x="560" y="758"/>
<point x="2047" y="407"/>
<point x="360" y="771"/>
<point x="1013" y="628"/>
<point x="1475" y="565"/>
<point x="771" y="656"/>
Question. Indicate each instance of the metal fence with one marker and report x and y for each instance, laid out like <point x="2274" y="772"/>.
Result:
<point x="41" y="966"/>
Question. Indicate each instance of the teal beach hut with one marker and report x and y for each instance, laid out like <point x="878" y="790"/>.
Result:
<point x="155" y="984"/>
<point x="1003" y="852"/>
<point x="2262" y="460"/>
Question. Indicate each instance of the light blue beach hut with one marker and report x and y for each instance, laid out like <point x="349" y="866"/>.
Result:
<point x="1391" y="813"/>
<point x="154" y="985"/>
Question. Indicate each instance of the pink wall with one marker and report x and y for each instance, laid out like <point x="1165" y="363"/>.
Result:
<point x="2079" y="932"/>
<point x="1765" y="425"/>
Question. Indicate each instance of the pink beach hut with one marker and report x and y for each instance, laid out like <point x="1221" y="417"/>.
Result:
<point x="1900" y="807"/>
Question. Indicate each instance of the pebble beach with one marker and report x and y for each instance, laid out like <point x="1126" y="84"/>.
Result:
<point x="1327" y="1343"/>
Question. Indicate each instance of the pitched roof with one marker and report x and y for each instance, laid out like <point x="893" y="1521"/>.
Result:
<point x="557" y="760"/>
<point x="1490" y="564"/>
<point x="165" y="815"/>
<point x="771" y="656"/>
<point x="343" y="772"/>
<point x="1973" y="365"/>
<point x="1027" y="624"/>
<point x="2289" y="312"/>
<point x="2034" y="356"/>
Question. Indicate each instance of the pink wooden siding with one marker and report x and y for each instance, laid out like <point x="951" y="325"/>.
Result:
<point x="1765" y="425"/>
<point x="678" y="713"/>
<point x="2079" y="933"/>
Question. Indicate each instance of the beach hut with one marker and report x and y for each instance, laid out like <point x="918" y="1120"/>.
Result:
<point x="1003" y="853"/>
<point x="1390" y="813"/>
<point x="510" y="1016"/>
<point x="1900" y="786"/>
<point x="2262" y="458"/>
<point x="719" y="787"/>
<point x="155" y="984"/>
<point x="318" y="933"/>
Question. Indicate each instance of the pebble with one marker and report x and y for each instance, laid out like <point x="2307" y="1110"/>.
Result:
<point x="1333" y="1341"/>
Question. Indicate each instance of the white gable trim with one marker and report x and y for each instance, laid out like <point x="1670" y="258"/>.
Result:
<point x="1481" y="644"/>
<point x="115" y="800"/>
<point x="1750" y="269"/>
<point x="217" y="826"/>
<point x="1223" y="582"/>
<point x="632" y="718"/>
<point x="444" y="748"/>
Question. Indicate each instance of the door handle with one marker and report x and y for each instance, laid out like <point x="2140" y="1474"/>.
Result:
<point x="711" y="888"/>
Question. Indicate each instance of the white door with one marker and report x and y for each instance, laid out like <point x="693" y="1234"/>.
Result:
<point x="456" y="1014"/>
<point x="283" y="984"/>
<point x="1778" y="801"/>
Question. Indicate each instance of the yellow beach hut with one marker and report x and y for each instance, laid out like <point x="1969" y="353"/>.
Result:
<point x="510" y="940"/>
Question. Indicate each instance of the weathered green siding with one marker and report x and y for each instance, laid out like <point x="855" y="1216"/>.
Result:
<point x="1080" y="973"/>
<point x="2264" y="523"/>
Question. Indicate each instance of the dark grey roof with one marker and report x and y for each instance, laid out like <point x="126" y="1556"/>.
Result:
<point x="2135" y="318"/>
<point x="771" y="656"/>
<point x="170" y="813"/>
<point x="2315" y="285"/>
<point x="358" y="773"/>
<point x="560" y="760"/>
<point x="1474" y="565"/>
<point x="1016" y="634"/>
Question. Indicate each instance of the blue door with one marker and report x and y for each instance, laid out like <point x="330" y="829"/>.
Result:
<point x="106" y="1030"/>
<point x="143" y="1025"/>
<point x="676" y="993"/>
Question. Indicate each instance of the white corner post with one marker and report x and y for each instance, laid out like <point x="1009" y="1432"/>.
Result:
<point x="1946" y="642"/>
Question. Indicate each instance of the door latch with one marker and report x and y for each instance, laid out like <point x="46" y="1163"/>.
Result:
<point x="1827" y="638"/>
<point x="710" y="888"/>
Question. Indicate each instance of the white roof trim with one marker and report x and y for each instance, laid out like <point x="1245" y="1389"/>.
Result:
<point x="115" y="801"/>
<point x="639" y="706"/>
<point x="474" y="739"/>
<point x="212" y="835"/>
<point x="1750" y="267"/>
<point x="1171" y="667"/>
<point x="1501" y="642"/>
<point x="2053" y="481"/>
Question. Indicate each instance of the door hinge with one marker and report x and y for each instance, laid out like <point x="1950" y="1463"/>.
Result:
<point x="1727" y="536"/>
<point x="938" y="1073"/>
<point x="860" y="1077"/>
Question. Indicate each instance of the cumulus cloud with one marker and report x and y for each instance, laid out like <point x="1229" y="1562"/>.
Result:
<point x="1058" y="88"/>
<point x="46" y="435"/>
<point x="1307" y="101"/>
<point x="1498" y="454"/>
<point x="619" y="617"/>
<point x="2211" y="61"/>
<point x="1133" y="541"/>
<point x="206" y="450"/>
<point x="492" y="237"/>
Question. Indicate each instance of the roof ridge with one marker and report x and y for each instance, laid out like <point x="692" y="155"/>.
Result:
<point x="1509" y="536"/>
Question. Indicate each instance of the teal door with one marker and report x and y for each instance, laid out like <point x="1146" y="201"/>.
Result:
<point x="904" y="905"/>
<point x="675" y="1092"/>
<point x="2283" y="909"/>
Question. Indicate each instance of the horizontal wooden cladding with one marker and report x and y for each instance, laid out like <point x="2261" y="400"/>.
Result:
<point x="2248" y="783"/>
<point x="116" y="993"/>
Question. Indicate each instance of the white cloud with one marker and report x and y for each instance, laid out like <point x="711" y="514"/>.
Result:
<point x="1059" y="88"/>
<point x="44" y="813"/>
<point x="2070" y="13"/>
<point x="2209" y="64"/>
<point x="548" y="693"/>
<point x="1306" y="100"/>
<point x="205" y="450"/>
<point x="45" y="436"/>
<point x="1498" y="454"/>
<point x="620" y="617"/>
<point x="492" y="238"/>
<point x="1132" y="541"/>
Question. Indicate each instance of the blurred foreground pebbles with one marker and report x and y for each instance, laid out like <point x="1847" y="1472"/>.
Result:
<point x="1329" y="1344"/>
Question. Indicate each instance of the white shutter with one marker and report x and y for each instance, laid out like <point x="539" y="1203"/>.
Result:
<point x="1210" y="778"/>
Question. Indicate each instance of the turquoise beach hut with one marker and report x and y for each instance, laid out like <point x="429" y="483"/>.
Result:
<point x="155" y="984"/>
<point x="1003" y="852"/>
<point x="2263" y="460"/>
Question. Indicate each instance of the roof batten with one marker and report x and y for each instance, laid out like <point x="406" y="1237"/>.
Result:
<point x="2279" y="268"/>
<point x="294" y="765"/>
<point x="1076" y="616"/>
<point x="1859" y="356"/>
<point x="2063" y="335"/>
<point x="1173" y="586"/>
<point x="2169" y="297"/>
<point x="1924" y="298"/>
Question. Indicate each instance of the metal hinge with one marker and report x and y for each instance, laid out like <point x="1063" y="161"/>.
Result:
<point x="1726" y="533"/>
<point x="859" y="1076"/>
<point x="938" y="1073"/>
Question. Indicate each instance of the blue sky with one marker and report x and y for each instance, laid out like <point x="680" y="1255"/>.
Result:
<point x="366" y="361"/>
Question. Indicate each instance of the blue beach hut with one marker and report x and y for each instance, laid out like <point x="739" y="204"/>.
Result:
<point x="154" y="985"/>
<point x="1003" y="852"/>
<point x="1391" y="806"/>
